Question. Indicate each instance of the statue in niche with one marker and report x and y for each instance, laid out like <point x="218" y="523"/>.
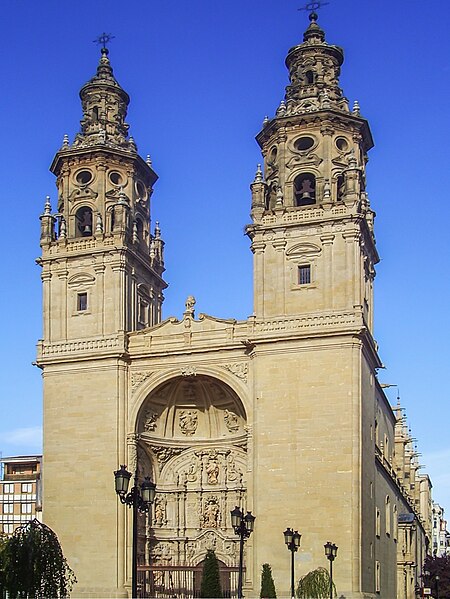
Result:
<point x="150" y="421"/>
<point x="211" y="514"/>
<point x="231" y="421"/>
<point x="212" y="470"/>
<point x="188" y="421"/>
<point x="159" y="516"/>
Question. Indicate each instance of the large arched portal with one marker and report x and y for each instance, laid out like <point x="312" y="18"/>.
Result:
<point x="193" y="440"/>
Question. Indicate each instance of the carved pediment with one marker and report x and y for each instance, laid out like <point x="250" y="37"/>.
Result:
<point x="82" y="194"/>
<point x="81" y="279"/>
<point x="303" y="249"/>
<point x="340" y="161"/>
<point x="305" y="160"/>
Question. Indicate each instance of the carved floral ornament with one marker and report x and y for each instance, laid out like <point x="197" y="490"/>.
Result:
<point x="137" y="378"/>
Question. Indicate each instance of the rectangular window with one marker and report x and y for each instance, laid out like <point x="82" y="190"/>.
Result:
<point x="377" y="522"/>
<point x="27" y="487"/>
<point x="8" y="528"/>
<point x="304" y="274"/>
<point x="8" y="488"/>
<point x="25" y="508"/>
<point x="8" y="508"/>
<point x="81" y="302"/>
<point x="377" y="576"/>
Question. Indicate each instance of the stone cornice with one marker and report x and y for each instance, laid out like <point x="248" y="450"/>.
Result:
<point x="347" y="120"/>
<point x="82" y="349"/>
<point x="95" y="246"/>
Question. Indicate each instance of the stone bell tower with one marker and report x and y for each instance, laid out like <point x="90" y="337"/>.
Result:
<point x="312" y="232"/>
<point x="98" y="253"/>
<point x="315" y="359"/>
<point x="102" y="273"/>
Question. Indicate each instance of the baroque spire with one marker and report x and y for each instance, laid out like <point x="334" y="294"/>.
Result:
<point x="104" y="105"/>
<point x="314" y="69"/>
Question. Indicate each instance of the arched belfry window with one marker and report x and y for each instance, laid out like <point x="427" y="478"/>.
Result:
<point x="83" y="222"/>
<point x="140" y="229"/>
<point x="340" y="187"/>
<point x="95" y="114"/>
<point x="305" y="189"/>
<point x="310" y="77"/>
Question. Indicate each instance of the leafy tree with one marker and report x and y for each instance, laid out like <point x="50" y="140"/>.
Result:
<point x="3" y="539"/>
<point x="315" y="585"/>
<point x="34" y="565"/>
<point x="438" y="566"/>
<point x="267" y="583"/>
<point x="210" y="586"/>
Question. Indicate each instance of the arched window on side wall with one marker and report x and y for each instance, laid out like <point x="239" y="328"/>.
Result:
<point x="305" y="189"/>
<point x="83" y="222"/>
<point x="388" y="515"/>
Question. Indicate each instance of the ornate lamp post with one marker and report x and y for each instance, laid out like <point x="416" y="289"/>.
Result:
<point x="140" y="499"/>
<point x="437" y="579"/>
<point x="331" y="552"/>
<point x="292" y="540"/>
<point x="243" y="526"/>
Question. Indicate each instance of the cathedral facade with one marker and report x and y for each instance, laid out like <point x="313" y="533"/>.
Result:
<point x="280" y="413"/>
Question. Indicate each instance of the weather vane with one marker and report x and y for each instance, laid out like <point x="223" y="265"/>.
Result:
<point x="105" y="38"/>
<point x="311" y="7"/>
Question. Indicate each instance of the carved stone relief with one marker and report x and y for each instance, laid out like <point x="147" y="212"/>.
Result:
<point x="150" y="421"/>
<point x="231" y="421"/>
<point x="163" y="454"/>
<point x="210" y="514"/>
<point x="188" y="371"/>
<point x="188" y="422"/>
<point x="239" y="369"/>
<point x="137" y="378"/>
<point x="132" y="444"/>
<point x="162" y="552"/>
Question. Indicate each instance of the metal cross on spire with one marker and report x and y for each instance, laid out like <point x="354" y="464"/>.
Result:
<point x="311" y="7"/>
<point x="105" y="38"/>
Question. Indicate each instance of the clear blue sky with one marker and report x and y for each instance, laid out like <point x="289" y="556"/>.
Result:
<point x="202" y="76"/>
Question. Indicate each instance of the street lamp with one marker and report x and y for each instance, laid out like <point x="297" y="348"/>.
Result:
<point x="331" y="552"/>
<point x="437" y="579"/>
<point x="140" y="499"/>
<point x="243" y="526"/>
<point x="292" y="540"/>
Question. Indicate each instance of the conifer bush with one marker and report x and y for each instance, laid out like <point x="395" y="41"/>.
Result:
<point x="267" y="583"/>
<point x="210" y="586"/>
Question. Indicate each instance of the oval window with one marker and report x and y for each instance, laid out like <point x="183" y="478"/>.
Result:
<point x="115" y="178"/>
<point x="304" y="143"/>
<point x="273" y="154"/>
<point x="341" y="144"/>
<point x="83" y="177"/>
